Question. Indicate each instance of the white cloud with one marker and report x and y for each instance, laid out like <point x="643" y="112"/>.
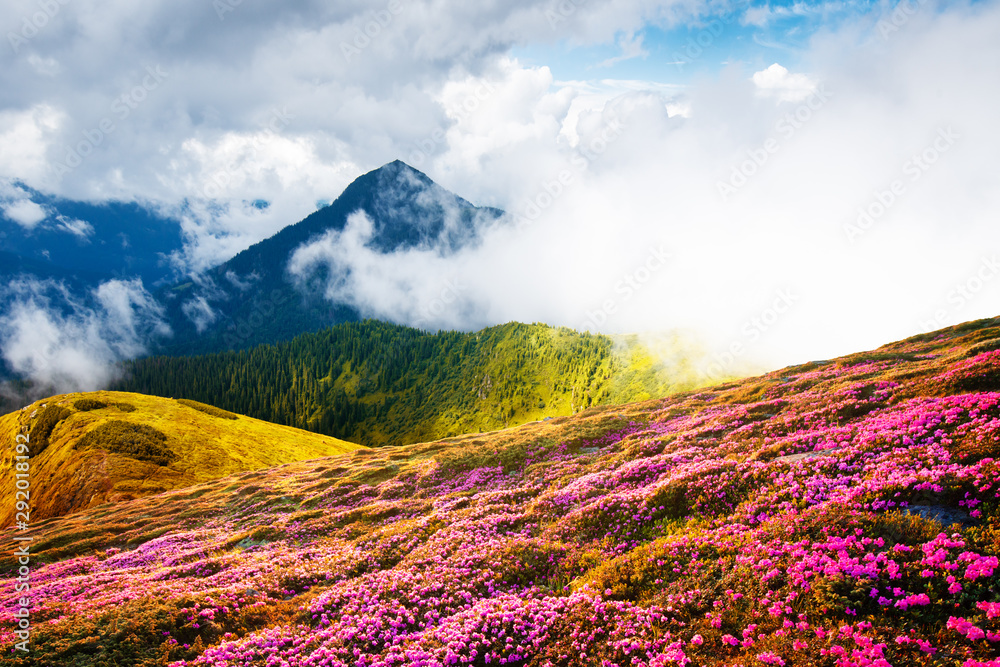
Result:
<point x="24" y="212"/>
<point x="223" y="78"/>
<point x="438" y="79"/>
<point x="240" y="284"/>
<point x="409" y="286"/>
<point x="64" y="343"/>
<point x="631" y="47"/>
<point x="782" y="233"/>
<point x="200" y="313"/>
<point x="763" y="16"/>
<point x="80" y="228"/>
<point x="25" y="138"/>
<point x="44" y="66"/>
<point x="16" y="205"/>
<point x="776" y="81"/>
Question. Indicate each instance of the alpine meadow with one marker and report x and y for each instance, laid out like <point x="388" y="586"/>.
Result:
<point x="548" y="333"/>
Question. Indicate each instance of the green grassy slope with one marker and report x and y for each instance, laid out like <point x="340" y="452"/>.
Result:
<point x="92" y="448"/>
<point x="382" y="384"/>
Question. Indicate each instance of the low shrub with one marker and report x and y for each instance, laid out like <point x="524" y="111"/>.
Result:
<point x="208" y="409"/>
<point x="88" y="404"/>
<point x="137" y="441"/>
<point x="43" y="427"/>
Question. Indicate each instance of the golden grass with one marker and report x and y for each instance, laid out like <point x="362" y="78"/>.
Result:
<point x="207" y="447"/>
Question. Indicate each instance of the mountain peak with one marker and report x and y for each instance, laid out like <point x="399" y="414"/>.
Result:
<point x="395" y="180"/>
<point x="397" y="164"/>
<point x="406" y="210"/>
<point x="396" y="169"/>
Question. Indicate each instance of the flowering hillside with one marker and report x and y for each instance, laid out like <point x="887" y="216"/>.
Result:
<point x="840" y="513"/>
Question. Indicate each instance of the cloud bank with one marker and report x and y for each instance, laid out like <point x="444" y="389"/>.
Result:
<point x="806" y="214"/>
<point x="64" y="343"/>
<point x="832" y="195"/>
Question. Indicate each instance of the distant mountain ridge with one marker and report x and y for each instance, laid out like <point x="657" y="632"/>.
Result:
<point x="85" y="243"/>
<point x="249" y="299"/>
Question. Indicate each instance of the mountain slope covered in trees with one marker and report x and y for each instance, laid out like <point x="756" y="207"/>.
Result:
<point x="381" y="384"/>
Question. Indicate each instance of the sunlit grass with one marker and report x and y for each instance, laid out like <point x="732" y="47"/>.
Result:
<point x="79" y="467"/>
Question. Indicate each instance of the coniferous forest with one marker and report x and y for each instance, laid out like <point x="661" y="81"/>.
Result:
<point x="381" y="384"/>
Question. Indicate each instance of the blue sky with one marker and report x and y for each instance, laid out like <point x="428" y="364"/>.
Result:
<point x="754" y="36"/>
